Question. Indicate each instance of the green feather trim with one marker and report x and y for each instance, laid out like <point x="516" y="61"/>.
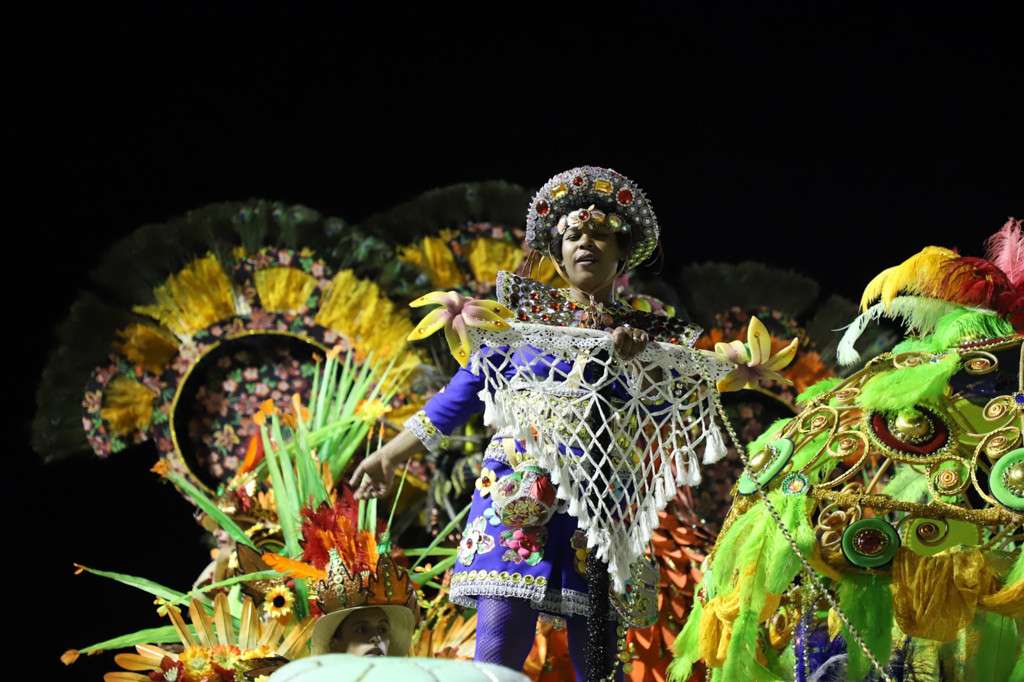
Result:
<point x="993" y="644"/>
<point x="758" y="443"/>
<point x="965" y="326"/>
<point x="814" y="390"/>
<point x="1017" y="572"/>
<point x="686" y="646"/>
<point x="867" y="602"/>
<point x="899" y="390"/>
<point x="776" y="565"/>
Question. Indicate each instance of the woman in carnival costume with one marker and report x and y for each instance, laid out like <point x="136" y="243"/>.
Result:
<point x="553" y="484"/>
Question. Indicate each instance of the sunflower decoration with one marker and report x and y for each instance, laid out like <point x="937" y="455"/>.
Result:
<point x="878" y="530"/>
<point x="218" y="648"/>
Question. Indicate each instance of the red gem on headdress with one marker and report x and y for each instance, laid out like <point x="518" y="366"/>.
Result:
<point x="536" y="308"/>
<point x="534" y="295"/>
<point x="545" y="317"/>
<point x="523" y="316"/>
<point x="542" y="208"/>
<point x="584" y="215"/>
<point x="578" y="181"/>
<point x="556" y="306"/>
<point x="572" y="305"/>
<point x="554" y="294"/>
<point x="624" y="196"/>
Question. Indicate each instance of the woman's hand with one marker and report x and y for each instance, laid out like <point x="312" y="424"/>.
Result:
<point x="375" y="474"/>
<point x="629" y="342"/>
<point x="373" y="477"/>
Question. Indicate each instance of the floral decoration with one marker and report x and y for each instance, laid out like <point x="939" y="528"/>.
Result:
<point x="524" y="545"/>
<point x="475" y="540"/>
<point x="486" y="481"/>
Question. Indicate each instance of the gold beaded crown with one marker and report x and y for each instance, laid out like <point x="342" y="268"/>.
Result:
<point x="602" y="188"/>
<point x="345" y="591"/>
<point x="386" y="584"/>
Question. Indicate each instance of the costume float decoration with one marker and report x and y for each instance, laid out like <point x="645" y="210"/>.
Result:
<point x="327" y="562"/>
<point x="192" y="324"/>
<point x="723" y="298"/>
<point x="878" y="533"/>
<point x="546" y="380"/>
<point x="281" y="299"/>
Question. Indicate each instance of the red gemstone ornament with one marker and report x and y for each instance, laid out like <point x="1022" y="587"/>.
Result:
<point x="625" y="196"/>
<point x="870" y="542"/>
<point x="578" y="181"/>
<point x="542" y="208"/>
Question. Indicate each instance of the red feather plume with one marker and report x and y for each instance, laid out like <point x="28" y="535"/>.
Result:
<point x="977" y="282"/>
<point x="334" y="527"/>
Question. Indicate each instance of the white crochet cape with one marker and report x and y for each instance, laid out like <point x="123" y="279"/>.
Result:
<point x="639" y="444"/>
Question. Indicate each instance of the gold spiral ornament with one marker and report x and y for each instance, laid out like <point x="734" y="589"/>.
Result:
<point x="911" y="359"/>
<point x="998" y="408"/>
<point x="948" y="478"/>
<point x="1000" y="441"/>
<point x="818" y="420"/>
<point x="842" y="446"/>
<point x="979" y="362"/>
<point x="846" y="396"/>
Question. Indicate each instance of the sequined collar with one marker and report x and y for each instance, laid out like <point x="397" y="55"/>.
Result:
<point x="538" y="303"/>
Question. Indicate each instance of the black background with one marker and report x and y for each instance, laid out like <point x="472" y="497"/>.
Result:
<point x="832" y="142"/>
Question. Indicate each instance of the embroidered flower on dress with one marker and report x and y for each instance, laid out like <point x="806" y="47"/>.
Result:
<point x="475" y="541"/>
<point x="524" y="545"/>
<point x="486" y="480"/>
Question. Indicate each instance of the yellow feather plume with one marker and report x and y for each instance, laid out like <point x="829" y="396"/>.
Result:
<point x="357" y="308"/>
<point x="284" y="290"/>
<point x="193" y="299"/>
<point x="913" y="276"/>
<point x="433" y="256"/>
<point x="487" y="256"/>
<point x="127" y="406"/>
<point x="147" y="346"/>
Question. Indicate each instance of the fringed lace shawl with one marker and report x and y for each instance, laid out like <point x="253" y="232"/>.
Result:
<point x="617" y="437"/>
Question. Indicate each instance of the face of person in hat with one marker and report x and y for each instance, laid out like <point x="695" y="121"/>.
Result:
<point x="591" y="256"/>
<point x="366" y="632"/>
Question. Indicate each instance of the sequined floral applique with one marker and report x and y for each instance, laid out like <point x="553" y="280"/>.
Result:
<point x="524" y="545"/>
<point x="475" y="541"/>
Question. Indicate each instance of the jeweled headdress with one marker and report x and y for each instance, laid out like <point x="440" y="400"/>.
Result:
<point x="348" y="588"/>
<point x="603" y="189"/>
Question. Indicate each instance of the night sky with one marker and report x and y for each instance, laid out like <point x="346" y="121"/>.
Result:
<point x="833" y="144"/>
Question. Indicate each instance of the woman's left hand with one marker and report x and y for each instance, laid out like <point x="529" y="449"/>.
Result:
<point x="629" y="342"/>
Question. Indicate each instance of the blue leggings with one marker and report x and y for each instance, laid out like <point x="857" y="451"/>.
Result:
<point x="505" y="634"/>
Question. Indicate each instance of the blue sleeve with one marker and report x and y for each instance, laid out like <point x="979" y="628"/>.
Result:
<point x="447" y="410"/>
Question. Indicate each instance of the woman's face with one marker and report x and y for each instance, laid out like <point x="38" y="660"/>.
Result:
<point x="590" y="257"/>
<point x="365" y="633"/>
